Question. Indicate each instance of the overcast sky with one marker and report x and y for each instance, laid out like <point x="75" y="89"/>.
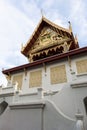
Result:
<point x="18" y="19"/>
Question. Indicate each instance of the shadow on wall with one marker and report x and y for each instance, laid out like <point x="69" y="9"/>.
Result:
<point x="3" y="106"/>
<point x="85" y="103"/>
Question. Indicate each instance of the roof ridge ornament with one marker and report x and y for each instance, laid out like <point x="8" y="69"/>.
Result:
<point x="42" y="13"/>
<point x="70" y="26"/>
<point x="76" y="39"/>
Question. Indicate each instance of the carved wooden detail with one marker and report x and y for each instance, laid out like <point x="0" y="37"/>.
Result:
<point x="8" y="77"/>
<point x="48" y="40"/>
<point x="35" y="79"/>
<point x="18" y="79"/>
<point x="81" y="66"/>
<point x="49" y="37"/>
<point x="58" y="74"/>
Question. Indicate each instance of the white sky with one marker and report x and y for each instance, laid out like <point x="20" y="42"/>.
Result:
<point x="18" y="19"/>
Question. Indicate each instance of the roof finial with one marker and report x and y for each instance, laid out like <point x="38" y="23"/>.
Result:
<point x="42" y="13"/>
<point x="76" y="39"/>
<point x="70" y="26"/>
<point x="22" y="46"/>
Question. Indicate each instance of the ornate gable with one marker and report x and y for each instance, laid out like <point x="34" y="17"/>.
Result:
<point x="47" y="40"/>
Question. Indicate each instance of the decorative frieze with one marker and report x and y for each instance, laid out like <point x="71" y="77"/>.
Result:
<point x="58" y="74"/>
<point x="81" y="66"/>
<point x="35" y="79"/>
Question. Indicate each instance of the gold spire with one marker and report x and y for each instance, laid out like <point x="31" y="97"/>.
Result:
<point x="76" y="39"/>
<point x="22" y="47"/>
<point x="42" y="13"/>
<point x="70" y="26"/>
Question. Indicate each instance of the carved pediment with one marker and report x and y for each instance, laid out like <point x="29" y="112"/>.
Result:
<point x="47" y="39"/>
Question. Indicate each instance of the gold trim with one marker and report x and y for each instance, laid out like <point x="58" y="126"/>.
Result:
<point x="81" y="66"/>
<point x="19" y="80"/>
<point x="35" y="79"/>
<point x="49" y="22"/>
<point x="58" y="74"/>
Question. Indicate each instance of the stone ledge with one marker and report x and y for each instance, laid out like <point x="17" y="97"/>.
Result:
<point x="32" y="105"/>
<point x="82" y="74"/>
<point x="47" y="93"/>
<point x="10" y="87"/>
<point x="78" y="85"/>
<point x="6" y="94"/>
<point x="28" y="94"/>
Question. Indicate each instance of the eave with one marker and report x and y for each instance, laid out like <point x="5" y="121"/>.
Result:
<point x="45" y="60"/>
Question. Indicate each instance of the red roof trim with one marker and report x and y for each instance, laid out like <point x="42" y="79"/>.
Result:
<point x="45" y="60"/>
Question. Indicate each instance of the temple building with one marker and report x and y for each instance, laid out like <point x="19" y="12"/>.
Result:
<point x="49" y="92"/>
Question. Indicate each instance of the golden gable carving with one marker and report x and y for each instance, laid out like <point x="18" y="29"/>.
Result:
<point x="58" y="74"/>
<point x="81" y="66"/>
<point x="47" y="38"/>
<point x="35" y="79"/>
